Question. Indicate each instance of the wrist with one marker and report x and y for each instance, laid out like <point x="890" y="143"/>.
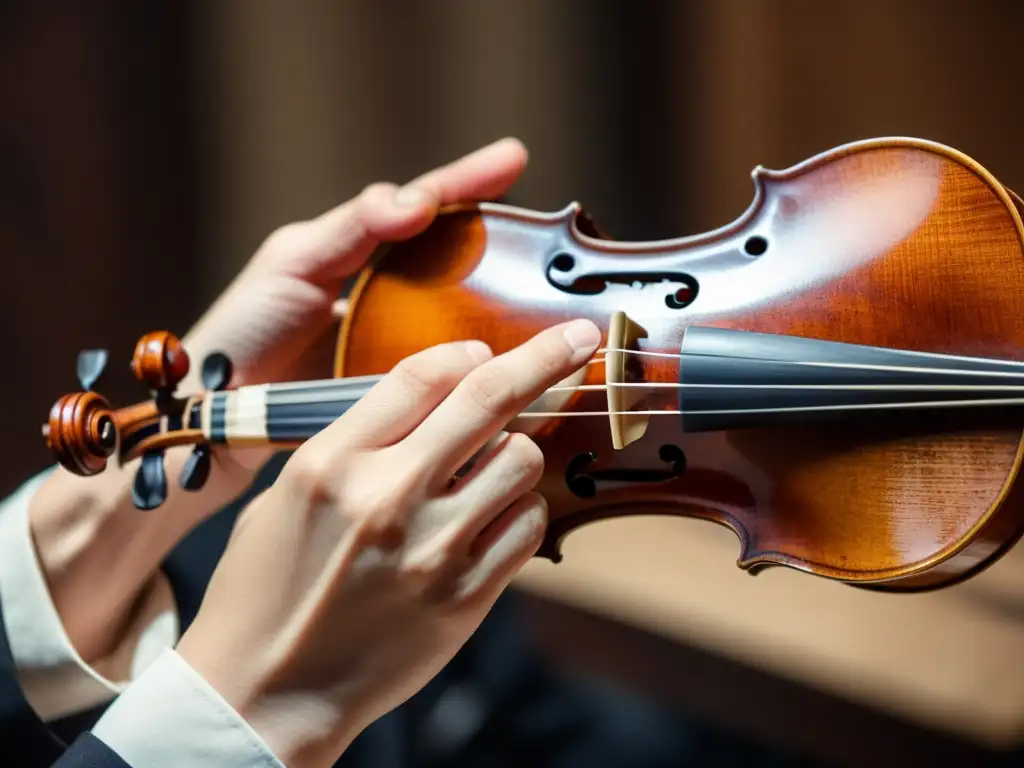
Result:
<point x="304" y="728"/>
<point x="99" y="554"/>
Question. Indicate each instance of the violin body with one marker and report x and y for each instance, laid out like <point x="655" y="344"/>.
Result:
<point x="898" y="244"/>
<point x="837" y="376"/>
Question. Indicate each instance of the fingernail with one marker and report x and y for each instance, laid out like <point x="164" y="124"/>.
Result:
<point x="410" y="197"/>
<point x="582" y="334"/>
<point x="479" y="351"/>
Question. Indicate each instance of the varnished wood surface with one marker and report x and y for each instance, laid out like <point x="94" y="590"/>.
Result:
<point x="894" y="243"/>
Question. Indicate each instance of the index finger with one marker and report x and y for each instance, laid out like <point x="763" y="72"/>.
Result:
<point x="495" y="393"/>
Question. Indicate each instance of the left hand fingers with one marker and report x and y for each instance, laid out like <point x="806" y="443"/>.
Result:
<point x="482" y="175"/>
<point x="491" y="395"/>
<point x="336" y="243"/>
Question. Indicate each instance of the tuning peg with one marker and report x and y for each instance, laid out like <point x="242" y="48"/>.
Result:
<point x="91" y="363"/>
<point x="150" y="488"/>
<point x="196" y="470"/>
<point x="216" y="372"/>
<point x="160" y="361"/>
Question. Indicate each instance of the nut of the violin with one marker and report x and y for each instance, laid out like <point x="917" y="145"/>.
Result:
<point x="81" y="433"/>
<point x="160" y="361"/>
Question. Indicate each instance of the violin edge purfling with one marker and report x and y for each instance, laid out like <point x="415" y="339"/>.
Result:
<point x="897" y="244"/>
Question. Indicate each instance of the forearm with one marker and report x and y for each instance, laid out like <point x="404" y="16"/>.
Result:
<point x="54" y="679"/>
<point x="100" y="555"/>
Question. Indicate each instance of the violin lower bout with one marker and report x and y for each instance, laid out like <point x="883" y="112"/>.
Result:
<point x="869" y="504"/>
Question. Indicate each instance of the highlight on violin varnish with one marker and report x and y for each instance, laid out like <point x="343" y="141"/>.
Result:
<point x="837" y="375"/>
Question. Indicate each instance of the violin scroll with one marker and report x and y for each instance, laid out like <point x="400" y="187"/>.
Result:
<point x="82" y="433"/>
<point x="81" y="430"/>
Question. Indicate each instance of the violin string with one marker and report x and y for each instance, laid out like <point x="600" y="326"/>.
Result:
<point x="343" y="395"/>
<point x="786" y="387"/>
<point x="846" y="366"/>
<point x="342" y="389"/>
<point x="722" y="412"/>
<point x="793" y="409"/>
<point x="1004" y="401"/>
<point x="372" y="379"/>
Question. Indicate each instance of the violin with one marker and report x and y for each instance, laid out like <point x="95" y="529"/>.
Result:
<point x="836" y="376"/>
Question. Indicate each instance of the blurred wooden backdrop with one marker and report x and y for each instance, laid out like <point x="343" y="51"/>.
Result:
<point x="147" y="148"/>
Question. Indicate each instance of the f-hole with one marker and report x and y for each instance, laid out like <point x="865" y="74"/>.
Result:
<point x="584" y="484"/>
<point x="564" y="274"/>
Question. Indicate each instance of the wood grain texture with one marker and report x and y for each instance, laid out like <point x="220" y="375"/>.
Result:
<point x="894" y="243"/>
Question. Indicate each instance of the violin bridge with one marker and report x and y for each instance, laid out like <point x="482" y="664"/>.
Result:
<point x="626" y="426"/>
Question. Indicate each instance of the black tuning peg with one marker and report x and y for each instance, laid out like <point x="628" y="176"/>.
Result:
<point x="150" y="487"/>
<point x="216" y="372"/>
<point x="215" y="375"/>
<point x="196" y="470"/>
<point x="91" y="363"/>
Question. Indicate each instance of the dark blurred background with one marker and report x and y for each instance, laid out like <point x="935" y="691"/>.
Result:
<point x="146" y="149"/>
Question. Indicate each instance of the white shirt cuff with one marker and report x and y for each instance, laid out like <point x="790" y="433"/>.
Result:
<point x="171" y="717"/>
<point x="55" y="680"/>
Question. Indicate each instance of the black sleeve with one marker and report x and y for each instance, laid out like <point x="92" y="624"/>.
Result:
<point x="25" y="740"/>
<point x="89" y="752"/>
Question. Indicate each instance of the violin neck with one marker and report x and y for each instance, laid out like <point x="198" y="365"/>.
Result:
<point x="727" y="380"/>
<point x="278" y="414"/>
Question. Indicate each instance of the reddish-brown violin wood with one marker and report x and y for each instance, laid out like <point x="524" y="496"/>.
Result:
<point x="895" y="243"/>
<point x="160" y="361"/>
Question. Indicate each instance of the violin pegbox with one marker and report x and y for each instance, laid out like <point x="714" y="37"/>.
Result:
<point x="91" y="364"/>
<point x="161" y="363"/>
<point x="216" y="375"/>
<point x="83" y="431"/>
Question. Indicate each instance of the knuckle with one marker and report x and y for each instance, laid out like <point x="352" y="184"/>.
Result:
<point x="552" y="356"/>
<point x="421" y="372"/>
<point x="536" y="506"/>
<point x="372" y="196"/>
<point x="393" y="478"/>
<point x="427" y="564"/>
<point x="535" y="503"/>
<point x="490" y="388"/>
<point x="375" y="190"/>
<point x="526" y="454"/>
<point x="380" y="516"/>
<point x="283" y="239"/>
<point x="310" y="476"/>
<point x="383" y="492"/>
